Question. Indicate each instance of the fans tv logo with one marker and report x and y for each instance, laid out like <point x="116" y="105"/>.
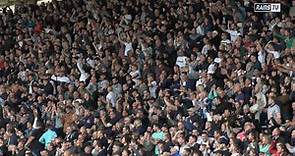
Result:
<point x="267" y="7"/>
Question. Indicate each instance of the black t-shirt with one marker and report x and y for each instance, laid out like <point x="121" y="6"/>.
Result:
<point x="35" y="144"/>
<point x="21" y="152"/>
<point x="1" y="112"/>
<point x="52" y="153"/>
<point x="48" y="89"/>
<point x="3" y="149"/>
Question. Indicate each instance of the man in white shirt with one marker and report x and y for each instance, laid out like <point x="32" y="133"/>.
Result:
<point x="232" y="32"/>
<point x="111" y="97"/>
<point x="273" y="109"/>
<point x="127" y="44"/>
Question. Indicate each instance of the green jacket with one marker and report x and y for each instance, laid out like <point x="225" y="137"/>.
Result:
<point x="264" y="149"/>
<point x="290" y="41"/>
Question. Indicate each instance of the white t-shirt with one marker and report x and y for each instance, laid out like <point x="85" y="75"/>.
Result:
<point x="275" y="54"/>
<point x="153" y="89"/>
<point x="111" y="97"/>
<point x="200" y="30"/>
<point x="211" y="69"/>
<point x="205" y="49"/>
<point x="233" y="34"/>
<point x="272" y="111"/>
<point x="181" y="61"/>
<point x="261" y="57"/>
<point x="128" y="47"/>
<point x="22" y="75"/>
<point x="135" y="75"/>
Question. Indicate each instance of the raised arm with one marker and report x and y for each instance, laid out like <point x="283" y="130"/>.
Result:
<point x="120" y="40"/>
<point x="42" y="139"/>
<point x="80" y="66"/>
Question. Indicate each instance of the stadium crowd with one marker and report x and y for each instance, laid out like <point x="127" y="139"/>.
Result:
<point x="147" y="78"/>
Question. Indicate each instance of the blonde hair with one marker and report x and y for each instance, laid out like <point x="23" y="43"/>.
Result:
<point x="267" y="138"/>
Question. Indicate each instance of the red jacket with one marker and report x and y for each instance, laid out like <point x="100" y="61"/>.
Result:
<point x="38" y="28"/>
<point x="277" y="154"/>
<point x="273" y="149"/>
<point x="2" y="65"/>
